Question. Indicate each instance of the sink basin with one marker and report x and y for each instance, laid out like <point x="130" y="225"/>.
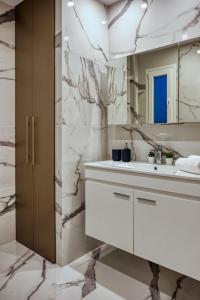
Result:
<point x="140" y="167"/>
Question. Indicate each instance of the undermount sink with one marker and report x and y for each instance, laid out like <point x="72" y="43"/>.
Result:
<point x="143" y="167"/>
<point x="140" y="166"/>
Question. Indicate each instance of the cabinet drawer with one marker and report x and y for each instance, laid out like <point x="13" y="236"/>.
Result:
<point x="109" y="214"/>
<point x="166" y="231"/>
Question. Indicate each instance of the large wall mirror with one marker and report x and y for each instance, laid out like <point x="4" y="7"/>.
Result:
<point x="158" y="87"/>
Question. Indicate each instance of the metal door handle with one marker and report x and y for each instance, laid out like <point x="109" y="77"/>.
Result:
<point x="123" y="196"/>
<point x="146" y="201"/>
<point x="27" y="140"/>
<point x="33" y="140"/>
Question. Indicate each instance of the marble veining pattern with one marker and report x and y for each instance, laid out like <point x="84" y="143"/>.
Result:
<point x="142" y="34"/>
<point x="189" y="100"/>
<point x="91" y="43"/>
<point x="80" y="144"/>
<point x="105" y="273"/>
<point x="7" y="204"/>
<point x="81" y="116"/>
<point x="117" y="92"/>
<point x="58" y="129"/>
<point x="84" y="91"/>
<point x="142" y="139"/>
<point x="7" y="123"/>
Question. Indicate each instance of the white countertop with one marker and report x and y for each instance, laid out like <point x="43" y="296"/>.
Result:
<point x="144" y="168"/>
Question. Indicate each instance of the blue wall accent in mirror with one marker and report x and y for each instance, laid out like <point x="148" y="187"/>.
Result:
<point x="160" y="99"/>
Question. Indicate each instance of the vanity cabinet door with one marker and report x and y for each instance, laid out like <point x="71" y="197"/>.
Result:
<point x="109" y="214"/>
<point x="167" y="231"/>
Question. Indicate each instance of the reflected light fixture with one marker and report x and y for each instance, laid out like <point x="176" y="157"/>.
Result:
<point x="66" y="38"/>
<point x="144" y="4"/>
<point x="184" y="36"/>
<point x="70" y="3"/>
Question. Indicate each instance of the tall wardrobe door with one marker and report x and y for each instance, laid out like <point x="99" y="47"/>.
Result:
<point x="24" y="188"/>
<point x="43" y="125"/>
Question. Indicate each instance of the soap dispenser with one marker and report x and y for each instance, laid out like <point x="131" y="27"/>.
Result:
<point x="126" y="154"/>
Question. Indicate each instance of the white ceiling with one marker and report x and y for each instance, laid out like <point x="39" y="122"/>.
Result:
<point x="108" y="2"/>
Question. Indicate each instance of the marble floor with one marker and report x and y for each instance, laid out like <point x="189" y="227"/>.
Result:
<point x="104" y="274"/>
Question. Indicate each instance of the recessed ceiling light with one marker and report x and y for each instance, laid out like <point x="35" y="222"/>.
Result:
<point x="103" y="22"/>
<point x="144" y="4"/>
<point x="198" y="51"/>
<point x="70" y="3"/>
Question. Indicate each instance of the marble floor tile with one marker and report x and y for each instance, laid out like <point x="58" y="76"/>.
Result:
<point x="104" y="274"/>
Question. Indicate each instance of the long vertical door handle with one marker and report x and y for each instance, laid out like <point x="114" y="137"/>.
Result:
<point x="33" y="140"/>
<point x="27" y="140"/>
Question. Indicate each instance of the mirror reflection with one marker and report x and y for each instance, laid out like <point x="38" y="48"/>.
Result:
<point x="189" y="82"/>
<point x="158" y="87"/>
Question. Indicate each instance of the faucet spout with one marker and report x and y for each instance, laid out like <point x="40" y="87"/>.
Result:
<point x="158" y="154"/>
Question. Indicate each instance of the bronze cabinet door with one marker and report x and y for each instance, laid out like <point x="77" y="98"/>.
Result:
<point x="43" y="111"/>
<point x="24" y="98"/>
<point x="35" y="208"/>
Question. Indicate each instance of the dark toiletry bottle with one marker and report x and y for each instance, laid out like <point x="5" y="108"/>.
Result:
<point x="126" y="154"/>
<point x="116" y="155"/>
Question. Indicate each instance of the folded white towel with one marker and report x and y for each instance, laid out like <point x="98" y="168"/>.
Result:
<point x="190" y="165"/>
<point x="194" y="156"/>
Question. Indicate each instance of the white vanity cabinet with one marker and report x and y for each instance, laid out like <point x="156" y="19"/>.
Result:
<point x="109" y="214"/>
<point x="153" y="215"/>
<point x="167" y="231"/>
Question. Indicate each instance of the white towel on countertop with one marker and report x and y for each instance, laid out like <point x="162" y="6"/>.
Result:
<point x="194" y="156"/>
<point x="189" y="164"/>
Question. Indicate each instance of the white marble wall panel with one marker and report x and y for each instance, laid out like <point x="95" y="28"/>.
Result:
<point x="79" y="145"/>
<point x="182" y="140"/>
<point x="58" y="193"/>
<point x="142" y="148"/>
<point x="138" y="26"/>
<point x="117" y="92"/>
<point x="7" y="91"/>
<point x="85" y="30"/>
<point x="7" y="66"/>
<point x="58" y="129"/>
<point x="84" y="91"/>
<point x="7" y="157"/>
<point x="81" y="103"/>
<point x="84" y="138"/>
<point x="7" y="124"/>
<point x="7" y="215"/>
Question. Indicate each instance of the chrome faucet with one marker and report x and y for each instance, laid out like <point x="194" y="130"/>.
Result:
<point x="158" y="154"/>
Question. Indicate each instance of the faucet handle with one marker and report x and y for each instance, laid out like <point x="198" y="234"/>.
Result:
<point x="159" y="148"/>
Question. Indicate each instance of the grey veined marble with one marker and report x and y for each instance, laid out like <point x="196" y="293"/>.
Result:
<point x="7" y="123"/>
<point x="173" y="21"/>
<point x="189" y="82"/>
<point x="104" y="274"/>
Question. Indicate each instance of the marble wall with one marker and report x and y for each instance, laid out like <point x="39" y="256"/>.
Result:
<point x="7" y="124"/>
<point x="181" y="140"/>
<point x="117" y="92"/>
<point x="189" y="84"/>
<point x="142" y="25"/>
<point x="81" y="116"/>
